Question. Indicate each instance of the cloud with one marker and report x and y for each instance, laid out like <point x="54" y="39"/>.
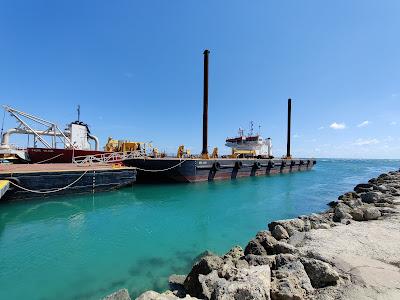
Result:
<point x="320" y="128"/>
<point x="364" y="124"/>
<point x="364" y="142"/>
<point x="337" y="126"/>
<point x="393" y="123"/>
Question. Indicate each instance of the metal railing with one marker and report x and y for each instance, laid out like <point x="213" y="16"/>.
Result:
<point x="107" y="158"/>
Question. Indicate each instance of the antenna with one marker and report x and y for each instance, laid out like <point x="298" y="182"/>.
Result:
<point x="79" y="112"/>
<point x="251" y="128"/>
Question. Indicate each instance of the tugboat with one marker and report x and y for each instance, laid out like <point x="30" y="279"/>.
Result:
<point x="251" y="156"/>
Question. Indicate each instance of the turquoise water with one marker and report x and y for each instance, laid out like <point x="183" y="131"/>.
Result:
<point x="84" y="247"/>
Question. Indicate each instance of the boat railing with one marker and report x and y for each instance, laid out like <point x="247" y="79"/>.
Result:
<point x="107" y="158"/>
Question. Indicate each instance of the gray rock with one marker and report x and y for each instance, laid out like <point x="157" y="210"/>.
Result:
<point x="242" y="264"/>
<point x="253" y="283"/>
<point x="321" y="274"/>
<point x="227" y="270"/>
<point x="266" y="240"/>
<point x="176" y="284"/>
<point x="209" y="283"/>
<point x="290" y="281"/>
<point x="291" y="225"/>
<point x="122" y="294"/>
<point x="254" y="247"/>
<point x="205" y="266"/>
<point x="284" y="259"/>
<point x="371" y="213"/>
<point x="341" y="212"/>
<point x="370" y="197"/>
<point x="280" y="233"/>
<point x="363" y="187"/>
<point x="357" y="214"/>
<point x="322" y="226"/>
<point x="235" y="253"/>
<point x="260" y="260"/>
<point x="281" y="247"/>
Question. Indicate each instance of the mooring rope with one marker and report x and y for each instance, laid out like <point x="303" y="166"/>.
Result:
<point x="49" y="191"/>
<point x="161" y="170"/>
<point x="51" y="158"/>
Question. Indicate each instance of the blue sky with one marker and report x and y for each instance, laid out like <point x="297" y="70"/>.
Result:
<point x="135" y="67"/>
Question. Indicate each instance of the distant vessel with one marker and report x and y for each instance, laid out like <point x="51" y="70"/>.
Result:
<point x="252" y="145"/>
<point x="74" y="140"/>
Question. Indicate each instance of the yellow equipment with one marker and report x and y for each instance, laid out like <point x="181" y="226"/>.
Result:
<point x="215" y="153"/>
<point x="182" y="152"/>
<point x="122" y="146"/>
<point x="245" y="153"/>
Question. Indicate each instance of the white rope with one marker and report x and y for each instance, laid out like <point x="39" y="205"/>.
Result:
<point x="51" y="158"/>
<point x="48" y="191"/>
<point x="161" y="170"/>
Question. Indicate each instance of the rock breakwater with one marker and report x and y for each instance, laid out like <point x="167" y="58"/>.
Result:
<point x="350" y="251"/>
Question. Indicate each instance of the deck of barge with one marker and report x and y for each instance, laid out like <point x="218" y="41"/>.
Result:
<point x="67" y="167"/>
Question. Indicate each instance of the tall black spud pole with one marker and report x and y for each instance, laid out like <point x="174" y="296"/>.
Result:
<point x="205" y="105"/>
<point x="289" y="116"/>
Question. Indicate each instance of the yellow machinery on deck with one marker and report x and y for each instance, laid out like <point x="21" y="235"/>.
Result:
<point x="122" y="145"/>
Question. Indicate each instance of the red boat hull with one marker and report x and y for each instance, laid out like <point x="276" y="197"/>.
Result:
<point x="52" y="155"/>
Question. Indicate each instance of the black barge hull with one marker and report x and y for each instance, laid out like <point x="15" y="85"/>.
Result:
<point x="197" y="170"/>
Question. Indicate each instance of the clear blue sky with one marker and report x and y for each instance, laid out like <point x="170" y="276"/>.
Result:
<point x="135" y="67"/>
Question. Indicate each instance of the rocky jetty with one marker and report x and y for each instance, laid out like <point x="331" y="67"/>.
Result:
<point x="350" y="251"/>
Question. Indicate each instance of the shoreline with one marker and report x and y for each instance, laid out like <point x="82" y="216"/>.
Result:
<point x="350" y="251"/>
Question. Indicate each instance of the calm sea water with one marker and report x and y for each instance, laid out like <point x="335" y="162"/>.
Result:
<point x="84" y="247"/>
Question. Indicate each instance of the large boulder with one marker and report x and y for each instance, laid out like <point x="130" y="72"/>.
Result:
<point x="122" y="294"/>
<point x="282" y="247"/>
<point x="209" y="283"/>
<point x="370" y="197"/>
<point x="363" y="187"/>
<point x="152" y="295"/>
<point x="175" y="283"/>
<point x="260" y="260"/>
<point x="280" y="233"/>
<point x="321" y="274"/>
<point x="357" y="214"/>
<point x="235" y="253"/>
<point x="205" y="266"/>
<point x="290" y="281"/>
<point x="250" y="284"/>
<point x="341" y="212"/>
<point x="371" y="213"/>
<point x="255" y="247"/>
<point x="266" y="240"/>
<point x="290" y="225"/>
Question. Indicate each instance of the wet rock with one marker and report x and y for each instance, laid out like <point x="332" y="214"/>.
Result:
<point x="280" y="233"/>
<point x="371" y="213"/>
<point x="254" y="247"/>
<point x="253" y="283"/>
<point x="205" y="266"/>
<point x="176" y="284"/>
<point x="357" y="214"/>
<point x="321" y="274"/>
<point x="290" y="281"/>
<point x="122" y="294"/>
<point x="370" y="197"/>
<point x="281" y="247"/>
<point x="259" y="260"/>
<point x="363" y="187"/>
<point x="348" y="196"/>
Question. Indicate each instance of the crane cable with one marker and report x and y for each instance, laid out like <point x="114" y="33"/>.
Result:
<point x="49" y="191"/>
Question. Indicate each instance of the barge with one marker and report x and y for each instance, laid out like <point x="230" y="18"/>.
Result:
<point x="251" y="156"/>
<point x="38" y="180"/>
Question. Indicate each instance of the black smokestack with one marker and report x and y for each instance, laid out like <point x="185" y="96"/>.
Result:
<point x="289" y="116"/>
<point x="205" y="104"/>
